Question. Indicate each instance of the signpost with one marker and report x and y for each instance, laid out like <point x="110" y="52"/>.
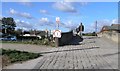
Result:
<point x="57" y="21"/>
<point x="57" y="32"/>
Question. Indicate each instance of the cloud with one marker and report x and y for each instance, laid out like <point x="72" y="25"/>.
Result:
<point x="115" y="21"/>
<point x="38" y="23"/>
<point x="24" y="14"/>
<point x="26" y="3"/>
<point x="12" y="11"/>
<point x="25" y="0"/>
<point x="24" y="25"/>
<point x="44" y="12"/>
<point x="106" y="22"/>
<point x="69" y="24"/>
<point x="101" y="23"/>
<point x="64" y="7"/>
<point x="83" y="3"/>
<point x="45" y="22"/>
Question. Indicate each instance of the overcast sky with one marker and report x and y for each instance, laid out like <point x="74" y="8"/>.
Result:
<point x="42" y="15"/>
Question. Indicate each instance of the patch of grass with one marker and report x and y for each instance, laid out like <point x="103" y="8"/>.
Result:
<point x="90" y="34"/>
<point x="12" y="56"/>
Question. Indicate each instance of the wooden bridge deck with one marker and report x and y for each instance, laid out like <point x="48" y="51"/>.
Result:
<point x="91" y="54"/>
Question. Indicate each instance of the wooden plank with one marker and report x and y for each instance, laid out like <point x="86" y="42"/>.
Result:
<point x="102" y="62"/>
<point x="92" y="59"/>
<point x="83" y="59"/>
<point x="39" y="64"/>
<point x="62" y="61"/>
<point x="77" y="57"/>
<point x="71" y="59"/>
<point x="52" y="62"/>
<point x="48" y="61"/>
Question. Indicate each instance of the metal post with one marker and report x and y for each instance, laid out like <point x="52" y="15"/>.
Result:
<point x="96" y="28"/>
<point x="58" y="26"/>
<point x="95" y="32"/>
<point x="56" y="42"/>
<point x="56" y="38"/>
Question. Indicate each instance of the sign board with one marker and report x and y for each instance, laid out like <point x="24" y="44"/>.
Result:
<point x="57" y="19"/>
<point x="57" y="33"/>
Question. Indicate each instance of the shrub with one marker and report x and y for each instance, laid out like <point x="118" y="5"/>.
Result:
<point x="5" y="60"/>
<point x="46" y="42"/>
<point x="36" y="42"/>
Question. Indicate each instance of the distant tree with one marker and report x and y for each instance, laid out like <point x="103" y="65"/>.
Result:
<point x="8" y="25"/>
<point x="19" y="32"/>
<point x="26" y="32"/>
<point x="32" y="31"/>
<point x="94" y="34"/>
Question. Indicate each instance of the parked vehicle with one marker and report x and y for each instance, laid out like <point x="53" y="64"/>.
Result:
<point x="3" y="38"/>
<point x="9" y="38"/>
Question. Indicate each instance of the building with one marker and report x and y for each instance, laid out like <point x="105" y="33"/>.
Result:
<point x="33" y="34"/>
<point x="41" y="33"/>
<point x="111" y="32"/>
<point x="113" y="27"/>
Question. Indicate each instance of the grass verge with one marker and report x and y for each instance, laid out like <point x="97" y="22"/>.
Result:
<point x="34" y="42"/>
<point x="13" y="56"/>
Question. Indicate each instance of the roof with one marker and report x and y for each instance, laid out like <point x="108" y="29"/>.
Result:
<point x="41" y="33"/>
<point x="112" y="27"/>
<point x="115" y="26"/>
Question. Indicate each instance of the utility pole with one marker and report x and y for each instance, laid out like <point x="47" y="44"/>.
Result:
<point x="96" y="27"/>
